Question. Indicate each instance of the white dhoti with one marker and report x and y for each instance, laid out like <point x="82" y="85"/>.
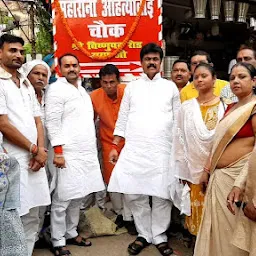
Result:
<point x="151" y="223"/>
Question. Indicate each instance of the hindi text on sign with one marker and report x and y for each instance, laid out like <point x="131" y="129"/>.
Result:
<point x="111" y="8"/>
<point x="79" y="9"/>
<point x="101" y="30"/>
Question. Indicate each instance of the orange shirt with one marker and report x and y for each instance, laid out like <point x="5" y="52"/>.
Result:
<point x="107" y="111"/>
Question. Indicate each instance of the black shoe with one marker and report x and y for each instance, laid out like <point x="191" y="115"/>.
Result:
<point x="119" y="221"/>
<point x="41" y="243"/>
<point x="130" y="226"/>
<point x="174" y="230"/>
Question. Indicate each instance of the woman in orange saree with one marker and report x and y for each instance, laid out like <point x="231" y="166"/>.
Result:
<point x="227" y="166"/>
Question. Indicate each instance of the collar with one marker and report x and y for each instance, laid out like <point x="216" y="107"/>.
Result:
<point x="64" y="80"/>
<point x="156" y="77"/>
<point x="6" y="75"/>
<point x="117" y="96"/>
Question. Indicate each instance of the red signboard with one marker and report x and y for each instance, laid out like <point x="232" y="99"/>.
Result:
<point x="106" y="31"/>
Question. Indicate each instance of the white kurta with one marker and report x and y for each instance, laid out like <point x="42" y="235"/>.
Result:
<point x="69" y="122"/>
<point x="20" y="104"/>
<point x="146" y="117"/>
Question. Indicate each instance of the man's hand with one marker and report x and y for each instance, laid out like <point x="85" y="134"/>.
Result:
<point x="235" y="196"/>
<point x="113" y="156"/>
<point x="250" y="211"/>
<point x="41" y="156"/>
<point x="34" y="165"/>
<point x="59" y="161"/>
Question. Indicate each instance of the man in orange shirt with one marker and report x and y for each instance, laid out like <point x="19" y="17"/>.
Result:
<point x="106" y="103"/>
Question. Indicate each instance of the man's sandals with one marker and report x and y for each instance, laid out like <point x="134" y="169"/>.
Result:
<point x="79" y="241"/>
<point x="164" y="249"/>
<point x="137" y="246"/>
<point x="60" y="251"/>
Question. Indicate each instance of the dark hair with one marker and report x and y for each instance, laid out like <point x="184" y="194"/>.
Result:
<point x="250" y="68"/>
<point x="6" y="38"/>
<point x="109" y="69"/>
<point x="246" y="47"/>
<point x="65" y="55"/>
<point x="151" y="48"/>
<point x="207" y="66"/>
<point x="181" y="61"/>
<point x="202" y="53"/>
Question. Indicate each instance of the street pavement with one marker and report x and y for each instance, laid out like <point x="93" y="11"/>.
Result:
<point x="117" y="246"/>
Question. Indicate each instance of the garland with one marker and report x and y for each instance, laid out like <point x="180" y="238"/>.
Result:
<point x="86" y="52"/>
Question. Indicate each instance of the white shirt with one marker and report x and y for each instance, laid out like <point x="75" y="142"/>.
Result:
<point x="20" y="104"/>
<point x="227" y="93"/>
<point x="146" y="117"/>
<point x="70" y="122"/>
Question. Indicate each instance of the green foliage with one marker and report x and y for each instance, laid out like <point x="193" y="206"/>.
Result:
<point x="4" y="18"/>
<point x="28" y="48"/>
<point x="43" y="41"/>
<point x="44" y="36"/>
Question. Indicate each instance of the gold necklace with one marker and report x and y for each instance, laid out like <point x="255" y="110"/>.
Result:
<point x="202" y="103"/>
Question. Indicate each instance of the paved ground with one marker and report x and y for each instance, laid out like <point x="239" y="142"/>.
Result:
<point x="116" y="246"/>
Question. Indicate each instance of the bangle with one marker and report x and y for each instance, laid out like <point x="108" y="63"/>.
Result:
<point x="58" y="149"/>
<point x="207" y="170"/>
<point x="33" y="149"/>
<point x="114" y="146"/>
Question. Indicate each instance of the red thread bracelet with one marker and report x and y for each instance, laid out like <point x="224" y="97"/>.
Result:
<point x="114" y="146"/>
<point x="58" y="150"/>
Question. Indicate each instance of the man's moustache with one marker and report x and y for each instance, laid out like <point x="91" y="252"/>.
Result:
<point x="18" y="60"/>
<point x="40" y="82"/>
<point x="152" y="65"/>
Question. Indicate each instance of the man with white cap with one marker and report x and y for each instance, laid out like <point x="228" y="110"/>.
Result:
<point x="38" y="74"/>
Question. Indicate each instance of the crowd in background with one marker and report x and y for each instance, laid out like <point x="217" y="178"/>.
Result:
<point x="177" y="156"/>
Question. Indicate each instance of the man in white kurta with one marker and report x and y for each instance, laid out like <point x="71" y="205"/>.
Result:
<point x="38" y="73"/>
<point x="71" y="130"/>
<point x="23" y="134"/>
<point x="145" y="120"/>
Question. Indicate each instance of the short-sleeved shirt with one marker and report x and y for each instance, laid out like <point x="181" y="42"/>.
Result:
<point x="21" y="106"/>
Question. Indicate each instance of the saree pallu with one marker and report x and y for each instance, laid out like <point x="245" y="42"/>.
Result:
<point x="245" y="230"/>
<point x="218" y="224"/>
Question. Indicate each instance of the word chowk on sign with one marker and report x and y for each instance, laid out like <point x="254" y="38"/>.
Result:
<point x="106" y="31"/>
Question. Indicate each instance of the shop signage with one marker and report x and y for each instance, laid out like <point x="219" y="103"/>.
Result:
<point x="106" y="31"/>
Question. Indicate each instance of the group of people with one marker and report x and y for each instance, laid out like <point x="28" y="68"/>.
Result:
<point x="150" y="143"/>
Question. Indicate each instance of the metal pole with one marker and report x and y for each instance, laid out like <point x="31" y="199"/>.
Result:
<point x="14" y="19"/>
<point x="32" y="27"/>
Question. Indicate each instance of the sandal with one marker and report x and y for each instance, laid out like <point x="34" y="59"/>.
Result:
<point x="83" y="242"/>
<point x="59" y="251"/>
<point x="164" y="249"/>
<point x="135" y="248"/>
